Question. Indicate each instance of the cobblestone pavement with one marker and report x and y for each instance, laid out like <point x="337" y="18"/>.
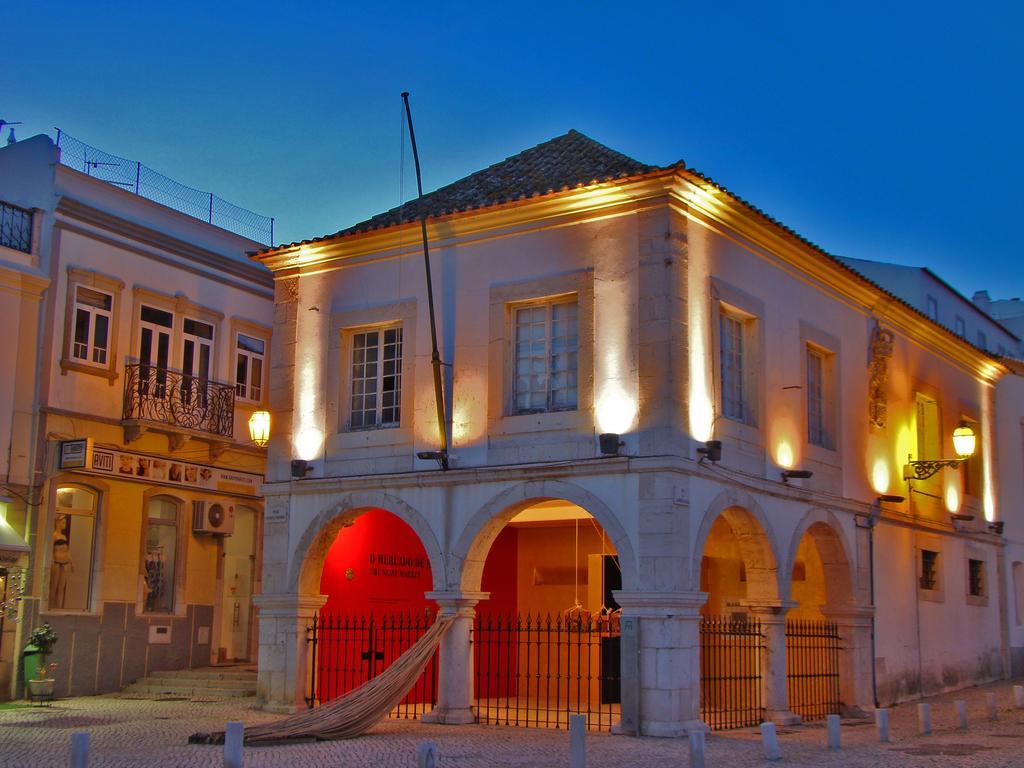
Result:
<point x="132" y="732"/>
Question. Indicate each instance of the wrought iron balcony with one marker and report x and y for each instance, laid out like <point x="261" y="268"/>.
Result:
<point x="160" y="396"/>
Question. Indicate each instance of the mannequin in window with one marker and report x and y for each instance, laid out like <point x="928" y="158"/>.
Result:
<point x="62" y="565"/>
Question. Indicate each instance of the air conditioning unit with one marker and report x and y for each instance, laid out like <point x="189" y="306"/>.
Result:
<point x="213" y="517"/>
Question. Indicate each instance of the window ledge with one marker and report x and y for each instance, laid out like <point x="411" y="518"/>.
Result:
<point x="110" y="374"/>
<point x="978" y="600"/>
<point x="931" y="595"/>
<point x="548" y="421"/>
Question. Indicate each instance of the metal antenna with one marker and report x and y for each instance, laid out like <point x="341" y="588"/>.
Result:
<point x="435" y="358"/>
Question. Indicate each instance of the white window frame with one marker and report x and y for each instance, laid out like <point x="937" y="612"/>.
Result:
<point x="378" y="377"/>
<point x="102" y="284"/>
<point x="93" y="314"/>
<point x="245" y="390"/>
<point x="547" y="357"/>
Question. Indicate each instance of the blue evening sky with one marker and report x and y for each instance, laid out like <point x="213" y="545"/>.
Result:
<point x="886" y="131"/>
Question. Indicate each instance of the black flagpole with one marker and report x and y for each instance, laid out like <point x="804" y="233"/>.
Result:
<point x="435" y="358"/>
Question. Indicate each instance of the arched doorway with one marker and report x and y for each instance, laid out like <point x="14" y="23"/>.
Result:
<point x="821" y="589"/>
<point x="738" y="572"/>
<point x="546" y="641"/>
<point x="375" y="573"/>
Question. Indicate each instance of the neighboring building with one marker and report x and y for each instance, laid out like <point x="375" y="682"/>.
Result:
<point x="1009" y="313"/>
<point x="937" y="300"/>
<point x="129" y="440"/>
<point x="605" y="322"/>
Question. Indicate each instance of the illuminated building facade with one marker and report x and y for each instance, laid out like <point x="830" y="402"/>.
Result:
<point x="130" y="470"/>
<point x="720" y="401"/>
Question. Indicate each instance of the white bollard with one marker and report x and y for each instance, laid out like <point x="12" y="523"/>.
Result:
<point x="882" y="724"/>
<point x="961" y="713"/>
<point x="426" y="755"/>
<point x="696" y="738"/>
<point x="234" y="738"/>
<point x="1018" y="696"/>
<point x="577" y="741"/>
<point x="80" y="749"/>
<point x="991" y="706"/>
<point x="770" y="739"/>
<point x="834" y="739"/>
<point x="924" y="719"/>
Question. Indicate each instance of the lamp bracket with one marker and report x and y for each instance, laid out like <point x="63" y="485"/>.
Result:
<point x="925" y="468"/>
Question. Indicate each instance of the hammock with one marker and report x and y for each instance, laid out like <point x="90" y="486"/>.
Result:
<point x="355" y="713"/>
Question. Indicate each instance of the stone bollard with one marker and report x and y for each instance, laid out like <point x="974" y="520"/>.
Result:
<point x="1018" y="696"/>
<point x="770" y="740"/>
<point x="991" y="706"/>
<point x="577" y="741"/>
<point x="961" y="713"/>
<point x="834" y="739"/>
<point x="80" y="749"/>
<point x="696" y="738"/>
<point x="234" y="738"/>
<point x="924" y="719"/>
<point x="426" y="755"/>
<point x="882" y="724"/>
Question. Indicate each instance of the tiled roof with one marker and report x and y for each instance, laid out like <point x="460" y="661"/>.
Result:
<point x="564" y="162"/>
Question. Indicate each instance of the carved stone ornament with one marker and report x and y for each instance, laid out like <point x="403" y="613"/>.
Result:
<point x="881" y="351"/>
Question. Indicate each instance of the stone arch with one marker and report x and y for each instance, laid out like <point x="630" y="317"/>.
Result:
<point x="316" y="539"/>
<point x="756" y="539"/>
<point x="467" y="560"/>
<point x="829" y="540"/>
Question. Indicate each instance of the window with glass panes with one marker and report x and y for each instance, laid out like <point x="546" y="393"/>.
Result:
<point x="72" y="543"/>
<point x="816" y="431"/>
<point x="161" y="554"/>
<point x="93" y="310"/>
<point x="546" y="357"/>
<point x="376" y="378"/>
<point x="731" y="331"/>
<point x="249" y="357"/>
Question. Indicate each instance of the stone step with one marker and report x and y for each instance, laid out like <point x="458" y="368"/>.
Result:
<point x="139" y="689"/>
<point x="210" y="673"/>
<point x="203" y="682"/>
<point x="184" y="682"/>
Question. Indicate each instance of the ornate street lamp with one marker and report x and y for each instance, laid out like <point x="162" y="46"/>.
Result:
<point x="964" y="443"/>
<point x="259" y="428"/>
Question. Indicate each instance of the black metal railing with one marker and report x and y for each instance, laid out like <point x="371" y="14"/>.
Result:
<point x="731" y="652"/>
<point x="536" y="672"/>
<point x="812" y="668"/>
<point x="347" y="650"/>
<point x="15" y="227"/>
<point x="163" y="396"/>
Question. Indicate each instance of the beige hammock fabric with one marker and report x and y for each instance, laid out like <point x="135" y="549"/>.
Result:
<point x="355" y="713"/>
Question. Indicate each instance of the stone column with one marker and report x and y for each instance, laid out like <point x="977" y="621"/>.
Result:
<point x="772" y="615"/>
<point x="855" y="659"/>
<point x="284" y="658"/>
<point x="455" y="662"/>
<point x="661" y="674"/>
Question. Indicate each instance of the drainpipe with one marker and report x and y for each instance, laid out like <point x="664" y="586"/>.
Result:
<point x="872" y="521"/>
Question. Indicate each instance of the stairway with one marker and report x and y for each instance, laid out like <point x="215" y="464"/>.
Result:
<point x="202" y="683"/>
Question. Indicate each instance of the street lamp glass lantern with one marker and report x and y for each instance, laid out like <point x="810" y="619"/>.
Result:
<point x="964" y="441"/>
<point x="259" y="428"/>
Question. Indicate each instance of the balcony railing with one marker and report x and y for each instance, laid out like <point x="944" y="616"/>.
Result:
<point x="15" y="227"/>
<point x="172" y="398"/>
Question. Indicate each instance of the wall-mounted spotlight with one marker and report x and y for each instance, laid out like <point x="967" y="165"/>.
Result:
<point x="711" y="450"/>
<point x="610" y="443"/>
<point x="796" y="474"/>
<point x="300" y="468"/>
<point x="959" y="521"/>
<point x="876" y="507"/>
<point x="439" y="456"/>
<point x="996" y="527"/>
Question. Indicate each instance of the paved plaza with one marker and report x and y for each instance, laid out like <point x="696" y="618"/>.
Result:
<point x="144" y="732"/>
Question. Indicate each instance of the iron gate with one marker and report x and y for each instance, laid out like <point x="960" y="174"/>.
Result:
<point x="812" y="668"/>
<point x="346" y="650"/>
<point x="536" y="672"/>
<point x="731" y="652"/>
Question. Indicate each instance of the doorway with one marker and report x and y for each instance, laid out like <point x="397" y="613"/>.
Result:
<point x="238" y="561"/>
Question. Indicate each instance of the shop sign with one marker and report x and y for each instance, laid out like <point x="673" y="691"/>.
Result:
<point x="128" y="465"/>
<point x="74" y="454"/>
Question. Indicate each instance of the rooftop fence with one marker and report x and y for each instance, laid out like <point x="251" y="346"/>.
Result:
<point x="141" y="180"/>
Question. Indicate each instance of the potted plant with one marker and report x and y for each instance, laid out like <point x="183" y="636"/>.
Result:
<point x="40" y="643"/>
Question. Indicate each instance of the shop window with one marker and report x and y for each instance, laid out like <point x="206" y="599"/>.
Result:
<point x="929" y="576"/>
<point x="376" y="371"/>
<point x="976" y="578"/>
<point x="73" y="543"/>
<point x="161" y="554"/>
<point x="545" y="365"/>
<point x="249" y="364"/>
